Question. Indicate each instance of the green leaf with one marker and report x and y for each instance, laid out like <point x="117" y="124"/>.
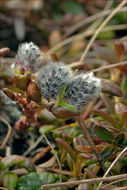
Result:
<point x="108" y="118"/>
<point x="10" y="180"/>
<point x="68" y="106"/>
<point x="103" y="134"/>
<point x="123" y="162"/>
<point x="106" y="35"/>
<point x="10" y="161"/>
<point x="124" y="84"/>
<point x="60" y="98"/>
<point x="34" y="181"/>
<point x="46" y="129"/>
<point x="107" y="151"/>
<point x="119" y="139"/>
<point x="13" y="160"/>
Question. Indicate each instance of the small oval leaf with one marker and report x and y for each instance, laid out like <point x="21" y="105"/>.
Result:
<point x="106" y="152"/>
<point x="104" y="134"/>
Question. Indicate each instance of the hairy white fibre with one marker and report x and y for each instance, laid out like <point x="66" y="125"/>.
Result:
<point x="82" y="89"/>
<point x="52" y="77"/>
<point x="27" y="56"/>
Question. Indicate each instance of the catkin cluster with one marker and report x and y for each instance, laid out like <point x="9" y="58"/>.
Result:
<point x="52" y="77"/>
<point x="27" y="56"/>
<point x="80" y="90"/>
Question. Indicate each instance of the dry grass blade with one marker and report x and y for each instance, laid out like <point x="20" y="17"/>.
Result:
<point x="82" y="35"/>
<point x="74" y="183"/>
<point x="8" y="133"/>
<point x="107" y="185"/>
<point x="113" y="163"/>
<point x="60" y="168"/>
<point x="87" y="21"/>
<point x="33" y="145"/>
<point x="100" y="28"/>
<point x="109" y="66"/>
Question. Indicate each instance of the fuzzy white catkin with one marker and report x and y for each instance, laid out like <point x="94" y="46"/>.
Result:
<point x="52" y="77"/>
<point x="82" y="89"/>
<point x="27" y="57"/>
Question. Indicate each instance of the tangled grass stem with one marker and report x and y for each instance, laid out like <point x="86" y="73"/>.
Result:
<point x="8" y="133"/>
<point x="78" y="182"/>
<point x="100" y="28"/>
<point x="111" y="166"/>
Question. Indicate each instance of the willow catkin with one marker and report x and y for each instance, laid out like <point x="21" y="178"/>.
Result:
<point x="52" y="77"/>
<point x="27" y="57"/>
<point x="82" y="89"/>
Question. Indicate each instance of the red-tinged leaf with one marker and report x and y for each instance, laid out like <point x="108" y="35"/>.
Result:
<point x="33" y="92"/>
<point x="62" y="112"/>
<point x="79" y="141"/>
<point x="4" y="51"/>
<point x="69" y="161"/>
<point x="85" y="156"/>
<point x="124" y="119"/>
<point x="108" y="118"/>
<point x="119" y="48"/>
<point x="104" y="134"/>
<point x="88" y="149"/>
<point x="67" y="147"/>
<point x="120" y="108"/>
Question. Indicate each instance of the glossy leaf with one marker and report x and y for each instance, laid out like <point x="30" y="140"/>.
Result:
<point x="119" y="139"/>
<point x="119" y="48"/>
<point x="106" y="152"/>
<point x="46" y="128"/>
<point x="22" y="81"/>
<point x="103" y="134"/>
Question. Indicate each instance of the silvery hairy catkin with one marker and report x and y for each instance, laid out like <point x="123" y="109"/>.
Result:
<point x="82" y="89"/>
<point x="52" y="77"/>
<point x="28" y="56"/>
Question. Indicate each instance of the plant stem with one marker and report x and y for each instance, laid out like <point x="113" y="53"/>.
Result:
<point x="89" y="139"/>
